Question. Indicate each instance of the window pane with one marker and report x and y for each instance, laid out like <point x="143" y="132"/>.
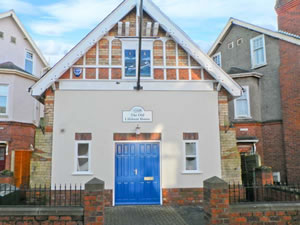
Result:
<point x="146" y="63"/>
<point x="29" y="55"/>
<point x="191" y="164"/>
<point x="242" y="107"/>
<point x="83" y="164"/>
<point x="2" y="153"/>
<point x="3" y="90"/>
<point x="3" y="101"/>
<point x="217" y="60"/>
<point x="28" y="66"/>
<point x="190" y="148"/>
<point x="259" y="56"/>
<point x="83" y="150"/>
<point x="130" y="63"/>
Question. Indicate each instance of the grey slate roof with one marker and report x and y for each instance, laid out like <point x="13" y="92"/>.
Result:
<point x="11" y="66"/>
<point x="235" y="70"/>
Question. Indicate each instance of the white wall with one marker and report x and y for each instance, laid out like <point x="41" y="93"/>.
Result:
<point x="21" y="105"/>
<point x="16" y="52"/>
<point x="100" y="112"/>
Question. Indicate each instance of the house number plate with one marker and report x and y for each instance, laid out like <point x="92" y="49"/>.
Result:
<point x="148" y="178"/>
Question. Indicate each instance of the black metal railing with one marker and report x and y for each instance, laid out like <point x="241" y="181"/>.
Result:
<point x="264" y="193"/>
<point x="41" y="195"/>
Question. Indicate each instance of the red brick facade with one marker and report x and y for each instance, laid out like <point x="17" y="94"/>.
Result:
<point x="289" y="21"/>
<point x="19" y="136"/>
<point x="269" y="145"/>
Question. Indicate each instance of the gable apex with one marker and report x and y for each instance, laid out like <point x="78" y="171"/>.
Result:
<point x="110" y="21"/>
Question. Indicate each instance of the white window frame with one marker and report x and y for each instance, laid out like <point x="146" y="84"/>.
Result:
<point x="218" y="55"/>
<point x="26" y="50"/>
<point x="89" y="172"/>
<point x="185" y="156"/>
<point x="248" y="116"/>
<point x="132" y="44"/>
<point x="252" y="52"/>
<point x="7" y="99"/>
<point x="230" y="44"/>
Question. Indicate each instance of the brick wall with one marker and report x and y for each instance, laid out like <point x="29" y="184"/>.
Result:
<point x="218" y="210"/>
<point x="19" y="136"/>
<point x="273" y="147"/>
<point x="289" y="20"/>
<point x="40" y="167"/>
<point x="182" y="196"/>
<point x="276" y="213"/>
<point x="231" y="161"/>
<point x="47" y="216"/>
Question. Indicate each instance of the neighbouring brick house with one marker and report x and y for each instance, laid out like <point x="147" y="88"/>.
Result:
<point x="152" y="146"/>
<point x="266" y="64"/>
<point x="21" y="65"/>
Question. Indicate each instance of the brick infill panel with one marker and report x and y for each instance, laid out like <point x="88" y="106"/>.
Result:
<point x="83" y="136"/>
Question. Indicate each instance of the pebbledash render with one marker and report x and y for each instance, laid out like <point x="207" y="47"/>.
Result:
<point x="152" y="146"/>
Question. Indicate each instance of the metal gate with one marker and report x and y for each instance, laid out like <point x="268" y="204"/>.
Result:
<point x="137" y="174"/>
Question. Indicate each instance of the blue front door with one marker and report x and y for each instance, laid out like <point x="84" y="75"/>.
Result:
<point x="137" y="174"/>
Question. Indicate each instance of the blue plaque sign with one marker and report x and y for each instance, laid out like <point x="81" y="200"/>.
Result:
<point x="77" y="72"/>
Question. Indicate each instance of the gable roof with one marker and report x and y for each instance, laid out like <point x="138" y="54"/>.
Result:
<point x="12" y="14"/>
<point x="232" y="21"/>
<point x="108" y="23"/>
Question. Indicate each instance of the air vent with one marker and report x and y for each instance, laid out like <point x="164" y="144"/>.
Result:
<point x="13" y="40"/>
<point x="230" y="45"/>
<point x="276" y="177"/>
<point x="239" y="41"/>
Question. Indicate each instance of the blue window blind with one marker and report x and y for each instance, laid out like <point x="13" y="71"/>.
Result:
<point x="130" y="63"/>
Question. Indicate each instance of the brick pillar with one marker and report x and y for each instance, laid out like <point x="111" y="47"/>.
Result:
<point x="216" y="201"/>
<point x="40" y="166"/>
<point x="230" y="157"/>
<point x="93" y="202"/>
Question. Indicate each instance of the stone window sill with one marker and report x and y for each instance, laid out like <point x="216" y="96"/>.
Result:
<point x="82" y="174"/>
<point x="191" y="172"/>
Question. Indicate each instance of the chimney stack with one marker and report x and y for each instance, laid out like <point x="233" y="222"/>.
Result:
<point x="288" y="12"/>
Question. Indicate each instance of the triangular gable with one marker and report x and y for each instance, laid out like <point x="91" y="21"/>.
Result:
<point x="280" y="35"/>
<point x="110" y="21"/>
<point x="19" y="24"/>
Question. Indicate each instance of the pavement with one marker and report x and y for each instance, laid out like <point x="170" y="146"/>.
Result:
<point x="154" y="215"/>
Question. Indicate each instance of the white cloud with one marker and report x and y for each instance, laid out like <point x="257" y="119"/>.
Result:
<point x="19" y="6"/>
<point x="70" y="15"/>
<point x="54" y="50"/>
<point x="250" y="10"/>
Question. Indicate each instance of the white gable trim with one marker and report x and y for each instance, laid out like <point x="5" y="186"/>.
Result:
<point x="27" y="36"/>
<point x="193" y="49"/>
<point x="109" y="22"/>
<point x="271" y="33"/>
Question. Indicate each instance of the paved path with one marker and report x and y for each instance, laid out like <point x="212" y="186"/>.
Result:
<point x="154" y="215"/>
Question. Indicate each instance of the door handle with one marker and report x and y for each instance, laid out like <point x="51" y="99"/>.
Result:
<point x="136" y="172"/>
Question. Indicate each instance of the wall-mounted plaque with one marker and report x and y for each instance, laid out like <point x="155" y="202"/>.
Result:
<point x="137" y="114"/>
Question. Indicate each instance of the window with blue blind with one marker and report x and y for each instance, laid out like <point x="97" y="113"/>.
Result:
<point x="29" y="62"/>
<point x="258" y="51"/>
<point x="131" y="63"/>
<point x="3" y="99"/>
<point x="242" y="104"/>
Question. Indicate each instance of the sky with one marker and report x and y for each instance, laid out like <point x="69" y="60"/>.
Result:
<point x="58" y="25"/>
